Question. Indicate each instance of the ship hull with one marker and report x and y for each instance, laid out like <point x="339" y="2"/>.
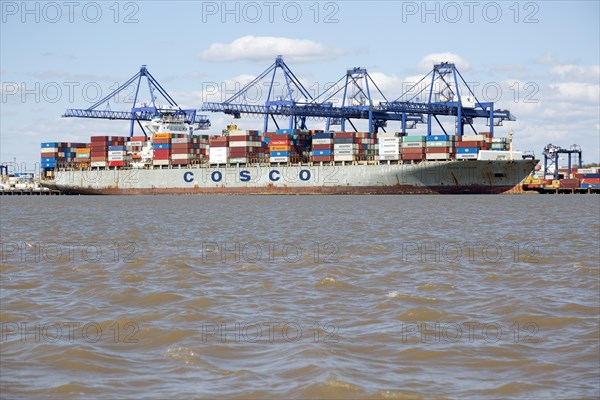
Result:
<point x="449" y="177"/>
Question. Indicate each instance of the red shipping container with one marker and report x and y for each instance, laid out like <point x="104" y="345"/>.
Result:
<point x="161" y="154"/>
<point x="322" y="147"/>
<point x="590" y="180"/>
<point x="413" y="150"/>
<point x="94" y="139"/>
<point x="279" y="142"/>
<point x="179" y="151"/>
<point x="322" y="158"/>
<point x="138" y="138"/>
<point x="161" y="141"/>
<point x="241" y="138"/>
<point x="181" y="146"/>
<point x="343" y="135"/>
<point x="281" y="136"/>
<point x="116" y="163"/>
<point x="413" y="156"/>
<point x="49" y="155"/>
<point x="435" y="150"/>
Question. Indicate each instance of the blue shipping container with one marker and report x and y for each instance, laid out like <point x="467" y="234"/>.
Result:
<point x="590" y="185"/>
<point x="280" y="154"/>
<point x="321" y="152"/>
<point x="343" y="140"/>
<point x="591" y="176"/>
<point x="285" y="131"/>
<point x="49" y="160"/>
<point x="49" y="144"/>
<point x="438" y="138"/>
<point x="467" y="150"/>
<point x="323" y="135"/>
<point x="116" y="148"/>
<point x="160" y="146"/>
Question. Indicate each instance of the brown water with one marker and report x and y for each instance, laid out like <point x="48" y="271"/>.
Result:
<point x="389" y="297"/>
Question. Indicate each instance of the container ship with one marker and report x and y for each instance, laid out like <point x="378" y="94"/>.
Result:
<point x="171" y="159"/>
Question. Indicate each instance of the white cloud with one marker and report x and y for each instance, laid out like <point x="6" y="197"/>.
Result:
<point x="577" y="91"/>
<point x="572" y="71"/>
<point x="266" y="48"/>
<point x="427" y="62"/>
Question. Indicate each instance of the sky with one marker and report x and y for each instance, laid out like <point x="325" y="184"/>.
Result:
<point x="540" y="60"/>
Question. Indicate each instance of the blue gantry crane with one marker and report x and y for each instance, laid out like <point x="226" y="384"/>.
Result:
<point x="444" y="97"/>
<point x="322" y="106"/>
<point x="143" y="112"/>
<point x="552" y="153"/>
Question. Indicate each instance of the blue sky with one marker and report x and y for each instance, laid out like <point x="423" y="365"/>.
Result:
<point x="538" y="59"/>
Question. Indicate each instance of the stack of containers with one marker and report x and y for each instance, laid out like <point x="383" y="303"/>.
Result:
<point x="365" y="142"/>
<point x="82" y="157"/>
<point x="135" y="145"/>
<point x="181" y="150"/>
<point x="499" y="144"/>
<point x="99" y="148"/>
<point x="591" y="177"/>
<point x="439" y="147"/>
<point x="281" y="148"/>
<point x="322" y="147"/>
<point x="50" y="155"/>
<point x="117" y="155"/>
<point x="219" y="150"/>
<point x="344" y="146"/>
<point x="389" y="146"/>
<point x="200" y="147"/>
<point x="468" y="146"/>
<point x="161" y="149"/>
<point x="413" y="148"/>
<point x="244" y="146"/>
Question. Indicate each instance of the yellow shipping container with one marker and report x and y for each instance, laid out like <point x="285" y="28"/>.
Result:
<point x="82" y="150"/>
<point x="161" y="136"/>
<point x="280" y="148"/>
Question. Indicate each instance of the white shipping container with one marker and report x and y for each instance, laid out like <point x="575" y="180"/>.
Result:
<point x="388" y="152"/>
<point x="322" y="141"/>
<point x="161" y="162"/>
<point x="180" y="140"/>
<point x="437" y="156"/>
<point x="499" y="140"/>
<point x="385" y="157"/>
<point x="383" y="140"/>
<point x="473" y="138"/>
<point x="98" y="164"/>
<point x="279" y="159"/>
<point x="239" y="132"/>
<point x="345" y="152"/>
<point x="180" y="156"/>
<point x="413" y="144"/>
<point x="117" y="158"/>
<point x="340" y="157"/>
<point x="466" y="156"/>
<point x="592" y="170"/>
<point x="389" y="134"/>
<point x="440" y="144"/>
<point x="345" y="146"/>
<point x="135" y="143"/>
<point x="219" y="151"/>
<point x="117" y="153"/>
<point x="495" y="155"/>
<point x="218" y="160"/>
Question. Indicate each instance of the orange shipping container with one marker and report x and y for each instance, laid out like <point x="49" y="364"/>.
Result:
<point x="280" y="148"/>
